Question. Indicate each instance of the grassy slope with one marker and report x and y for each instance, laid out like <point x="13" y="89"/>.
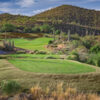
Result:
<point x="53" y="66"/>
<point x="87" y="82"/>
<point x="36" y="44"/>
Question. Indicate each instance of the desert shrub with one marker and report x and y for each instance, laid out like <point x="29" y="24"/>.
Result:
<point x="10" y="87"/>
<point x="75" y="37"/>
<point x="83" y="57"/>
<point x="74" y="53"/>
<point x="81" y="49"/>
<point x="45" y="28"/>
<point x="40" y="52"/>
<point x="50" y="57"/>
<point x="95" y="48"/>
<point x="73" y="56"/>
<point x="76" y="43"/>
<point x="36" y="29"/>
<point x="57" y="32"/>
<point x="3" y="56"/>
<point x="27" y="30"/>
<point x="59" y="93"/>
<point x="87" y="43"/>
<point x="50" y="42"/>
<point x="94" y="59"/>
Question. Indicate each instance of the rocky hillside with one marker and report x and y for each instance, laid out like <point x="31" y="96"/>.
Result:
<point x="65" y="17"/>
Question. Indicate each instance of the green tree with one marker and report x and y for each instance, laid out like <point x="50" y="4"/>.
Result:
<point x="36" y="29"/>
<point x="57" y="32"/>
<point x="27" y="30"/>
<point x="8" y="28"/>
<point x="45" y="28"/>
<point x="95" y="48"/>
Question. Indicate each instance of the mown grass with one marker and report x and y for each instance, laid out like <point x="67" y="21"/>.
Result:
<point x="53" y="66"/>
<point x="83" y="82"/>
<point x="36" y="44"/>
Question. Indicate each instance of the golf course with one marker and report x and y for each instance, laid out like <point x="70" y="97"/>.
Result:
<point x="45" y="68"/>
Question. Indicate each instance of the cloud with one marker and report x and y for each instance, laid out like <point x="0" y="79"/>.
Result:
<point x="91" y="0"/>
<point x="32" y="7"/>
<point x="40" y="10"/>
<point x="25" y="3"/>
<point x="5" y="6"/>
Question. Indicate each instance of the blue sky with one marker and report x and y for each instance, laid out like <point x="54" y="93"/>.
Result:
<point x="32" y="7"/>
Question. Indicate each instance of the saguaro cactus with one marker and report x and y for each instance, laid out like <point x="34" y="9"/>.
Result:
<point x="8" y="45"/>
<point x="69" y="35"/>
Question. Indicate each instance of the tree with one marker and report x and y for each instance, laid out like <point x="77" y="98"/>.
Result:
<point x="27" y="30"/>
<point x="57" y="32"/>
<point x="45" y="28"/>
<point x="8" y="28"/>
<point x="95" y="48"/>
<point x="36" y="29"/>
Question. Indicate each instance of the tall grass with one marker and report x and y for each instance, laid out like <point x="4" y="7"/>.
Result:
<point x="37" y="93"/>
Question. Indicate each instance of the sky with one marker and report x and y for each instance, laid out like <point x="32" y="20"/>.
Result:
<point x="32" y="7"/>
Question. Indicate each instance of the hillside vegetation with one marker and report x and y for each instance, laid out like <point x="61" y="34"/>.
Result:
<point x="71" y="14"/>
<point x="65" y="17"/>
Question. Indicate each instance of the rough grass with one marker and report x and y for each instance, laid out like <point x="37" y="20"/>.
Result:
<point x="36" y="44"/>
<point x="59" y="93"/>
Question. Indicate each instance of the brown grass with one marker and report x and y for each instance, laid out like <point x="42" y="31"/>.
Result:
<point x="37" y="93"/>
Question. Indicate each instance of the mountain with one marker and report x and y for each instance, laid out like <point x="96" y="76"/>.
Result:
<point x="65" y="17"/>
<point x="17" y="20"/>
<point x="71" y="14"/>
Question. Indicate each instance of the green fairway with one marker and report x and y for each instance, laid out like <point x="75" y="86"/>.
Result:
<point x="53" y="66"/>
<point x="36" y="44"/>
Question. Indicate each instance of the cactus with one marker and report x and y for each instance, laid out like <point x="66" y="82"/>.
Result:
<point x="69" y="35"/>
<point x="8" y="45"/>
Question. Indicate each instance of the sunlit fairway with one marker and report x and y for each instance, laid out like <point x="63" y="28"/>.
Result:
<point x="53" y="66"/>
<point x="36" y="44"/>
